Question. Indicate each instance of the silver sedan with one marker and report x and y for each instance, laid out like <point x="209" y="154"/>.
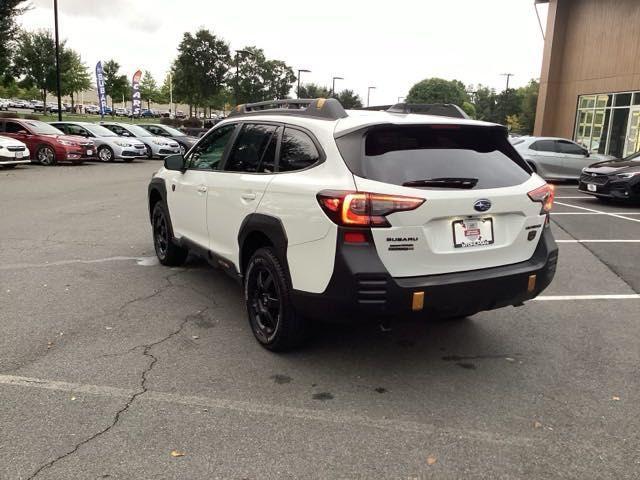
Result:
<point x="157" y="147"/>
<point x="556" y="158"/>
<point x="109" y="145"/>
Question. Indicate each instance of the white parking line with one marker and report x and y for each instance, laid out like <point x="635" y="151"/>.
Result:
<point x="598" y="241"/>
<point x="262" y="410"/>
<point x="600" y="212"/>
<point x="589" y="213"/>
<point x="544" y="298"/>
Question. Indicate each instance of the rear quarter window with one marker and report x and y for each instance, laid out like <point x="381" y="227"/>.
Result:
<point x="402" y="154"/>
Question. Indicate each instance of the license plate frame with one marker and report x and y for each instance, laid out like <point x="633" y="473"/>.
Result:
<point x="18" y="155"/>
<point x="592" y="187"/>
<point x="473" y="232"/>
<point x="89" y="152"/>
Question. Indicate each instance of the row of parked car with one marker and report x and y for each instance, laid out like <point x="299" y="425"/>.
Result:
<point x="52" y="107"/>
<point x="26" y="141"/>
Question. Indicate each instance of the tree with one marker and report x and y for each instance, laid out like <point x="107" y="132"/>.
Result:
<point x="349" y="99"/>
<point x="74" y="74"/>
<point x="311" y="90"/>
<point x="485" y="99"/>
<point x="438" y="90"/>
<point x="529" y="95"/>
<point x="508" y="103"/>
<point x="35" y="61"/>
<point x="149" y="88"/>
<point x="115" y="85"/>
<point x="201" y="67"/>
<point x="260" y="79"/>
<point x="9" y="10"/>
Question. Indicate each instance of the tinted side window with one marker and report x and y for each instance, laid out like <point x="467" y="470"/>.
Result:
<point x="115" y="129"/>
<point x="297" y="151"/>
<point x="13" y="127"/>
<point x="155" y="130"/>
<point x="544" y="146"/>
<point x="570" y="148"/>
<point x="252" y="145"/>
<point x="208" y="153"/>
<point x="75" y="130"/>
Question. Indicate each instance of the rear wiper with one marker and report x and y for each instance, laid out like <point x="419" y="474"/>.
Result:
<point x="443" y="183"/>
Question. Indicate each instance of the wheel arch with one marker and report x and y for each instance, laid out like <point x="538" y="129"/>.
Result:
<point x="157" y="192"/>
<point x="258" y="230"/>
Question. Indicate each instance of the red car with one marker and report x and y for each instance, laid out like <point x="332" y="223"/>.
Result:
<point x="47" y="144"/>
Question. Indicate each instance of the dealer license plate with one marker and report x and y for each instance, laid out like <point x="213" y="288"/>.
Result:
<point x="591" y="187"/>
<point x="89" y="152"/>
<point x="472" y="232"/>
<point x="18" y="154"/>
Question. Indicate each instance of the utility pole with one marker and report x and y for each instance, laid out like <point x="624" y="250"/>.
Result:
<point x="333" y="85"/>
<point x="369" y="93"/>
<point x="508" y="75"/>
<point x="400" y="99"/>
<point x="300" y="70"/>
<point x="55" y="15"/>
<point x="171" y="112"/>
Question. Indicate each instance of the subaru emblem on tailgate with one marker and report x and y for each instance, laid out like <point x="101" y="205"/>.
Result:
<point x="482" y="205"/>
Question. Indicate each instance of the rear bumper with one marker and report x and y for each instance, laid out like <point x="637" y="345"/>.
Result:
<point x="361" y="285"/>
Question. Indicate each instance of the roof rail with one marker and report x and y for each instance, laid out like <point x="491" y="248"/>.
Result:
<point x="325" y="108"/>
<point x="439" y="109"/>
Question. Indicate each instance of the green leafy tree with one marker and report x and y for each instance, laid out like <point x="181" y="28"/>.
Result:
<point x="201" y="67"/>
<point x="259" y="78"/>
<point x="74" y="74"/>
<point x="438" y="90"/>
<point x="35" y="61"/>
<point x="469" y="109"/>
<point x="149" y="89"/>
<point x="508" y="104"/>
<point x="529" y="95"/>
<point x="311" y="90"/>
<point x="115" y="84"/>
<point x="9" y="11"/>
<point x="485" y="101"/>
<point x="349" y="99"/>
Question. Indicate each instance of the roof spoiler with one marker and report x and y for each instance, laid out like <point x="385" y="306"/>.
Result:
<point x="439" y="109"/>
<point x="324" y="108"/>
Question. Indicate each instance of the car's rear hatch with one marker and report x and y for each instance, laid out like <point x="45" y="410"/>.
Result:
<point x="476" y="214"/>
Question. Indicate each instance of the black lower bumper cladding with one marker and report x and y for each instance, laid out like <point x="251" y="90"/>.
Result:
<point x="361" y="285"/>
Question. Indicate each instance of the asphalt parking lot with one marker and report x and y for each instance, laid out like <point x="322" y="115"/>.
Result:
<point x="112" y="366"/>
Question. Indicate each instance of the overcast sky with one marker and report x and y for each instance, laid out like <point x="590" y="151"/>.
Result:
<point x="390" y="44"/>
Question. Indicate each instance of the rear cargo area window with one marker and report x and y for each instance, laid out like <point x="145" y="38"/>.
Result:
<point x="404" y="154"/>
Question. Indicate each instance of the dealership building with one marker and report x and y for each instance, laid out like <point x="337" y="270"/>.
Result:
<point x="590" y="80"/>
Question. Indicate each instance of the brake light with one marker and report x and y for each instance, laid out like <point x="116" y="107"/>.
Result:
<point x="545" y="195"/>
<point x="363" y="209"/>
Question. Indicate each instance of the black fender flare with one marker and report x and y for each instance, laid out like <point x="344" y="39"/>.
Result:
<point x="269" y="226"/>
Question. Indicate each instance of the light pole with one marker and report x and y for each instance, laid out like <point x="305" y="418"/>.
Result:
<point x="333" y="85"/>
<point x="171" y="112"/>
<point x="300" y="70"/>
<point x="508" y="75"/>
<point x="237" y="86"/>
<point x="369" y="93"/>
<point x="55" y="16"/>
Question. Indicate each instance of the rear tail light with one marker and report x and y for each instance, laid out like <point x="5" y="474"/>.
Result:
<point x="363" y="209"/>
<point x="545" y="195"/>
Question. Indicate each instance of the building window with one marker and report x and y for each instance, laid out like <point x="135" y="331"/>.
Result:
<point x="609" y="123"/>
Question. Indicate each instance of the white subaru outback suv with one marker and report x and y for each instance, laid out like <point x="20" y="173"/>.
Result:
<point x="322" y="212"/>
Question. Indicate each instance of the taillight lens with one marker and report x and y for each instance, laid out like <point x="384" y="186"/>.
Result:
<point x="545" y="195"/>
<point x="363" y="209"/>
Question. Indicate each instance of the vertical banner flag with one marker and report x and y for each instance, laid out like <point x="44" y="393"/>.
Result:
<point x="102" y="97"/>
<point x="136" y="98"/>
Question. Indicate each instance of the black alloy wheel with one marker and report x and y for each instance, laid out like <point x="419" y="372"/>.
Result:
<point x="264" y="302"/>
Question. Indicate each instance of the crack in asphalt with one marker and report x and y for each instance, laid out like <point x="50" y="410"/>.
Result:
<point x="586" y="246"/>
<point x="143" y="389"/>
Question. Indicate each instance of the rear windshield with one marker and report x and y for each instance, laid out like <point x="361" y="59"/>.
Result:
<point x="404" y="154"/>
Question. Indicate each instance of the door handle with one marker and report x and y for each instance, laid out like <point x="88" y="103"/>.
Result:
<point x="202" y="189"/>
<point x="248" y="196"/>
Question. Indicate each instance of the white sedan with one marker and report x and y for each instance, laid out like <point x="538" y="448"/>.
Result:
<point x="12" y="152"/>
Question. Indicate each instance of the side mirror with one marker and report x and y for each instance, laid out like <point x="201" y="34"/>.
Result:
<point x="23" y="132"/>
<point x="174" y="162"/>
<point x="587" y="153"/>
